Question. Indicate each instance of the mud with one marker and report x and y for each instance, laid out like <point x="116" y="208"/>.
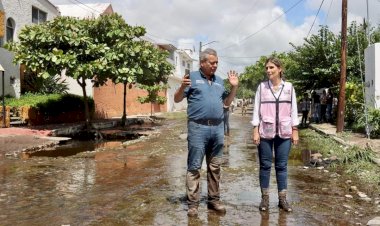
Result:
<point x="142" y="183"/>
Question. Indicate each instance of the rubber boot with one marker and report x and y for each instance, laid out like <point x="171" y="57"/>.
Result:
<point x="282" y="202"/>
<point x="193" y="192"/>
<point x="264" y="204"/>
<point x="213" y="179"/>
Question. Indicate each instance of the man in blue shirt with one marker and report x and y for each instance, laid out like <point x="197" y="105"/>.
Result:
<point x="206" y="96"/>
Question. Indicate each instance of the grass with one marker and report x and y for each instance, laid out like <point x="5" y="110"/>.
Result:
<point x="31" y="100"/>
<point x="353" y="161"/>
<point x="174" y="115"/>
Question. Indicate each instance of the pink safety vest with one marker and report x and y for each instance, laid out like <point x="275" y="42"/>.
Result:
<point x="275" y="114"/>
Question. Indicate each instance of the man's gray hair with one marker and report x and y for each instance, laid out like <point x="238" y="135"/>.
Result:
<point x="205" y="53"/>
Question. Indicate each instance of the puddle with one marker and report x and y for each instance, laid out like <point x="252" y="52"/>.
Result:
<point x="143" y="183"/>
<point x="72" y="148"/>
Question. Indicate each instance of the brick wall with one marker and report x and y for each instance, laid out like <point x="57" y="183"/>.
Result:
<point x="109" y="101"/>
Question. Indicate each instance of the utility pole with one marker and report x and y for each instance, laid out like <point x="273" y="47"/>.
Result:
<point x="367" y="26"/>
<point x="200" y="50"/>
<point x="343" y="67"/>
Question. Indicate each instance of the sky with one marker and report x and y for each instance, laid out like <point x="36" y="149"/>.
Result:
<point x="239" y="30"/>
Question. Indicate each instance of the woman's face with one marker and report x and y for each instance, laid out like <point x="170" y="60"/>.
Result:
<point x="273" y="72"/>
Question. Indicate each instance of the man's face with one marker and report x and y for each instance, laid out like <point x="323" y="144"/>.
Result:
<point x="210" y="65"/>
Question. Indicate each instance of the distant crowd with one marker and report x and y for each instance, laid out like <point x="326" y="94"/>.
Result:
<point x="319" y="108"/>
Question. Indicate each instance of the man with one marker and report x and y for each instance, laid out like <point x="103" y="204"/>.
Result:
<point x="206" y="96"/>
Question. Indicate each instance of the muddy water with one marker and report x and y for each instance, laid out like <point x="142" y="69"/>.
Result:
<point x="143" y="184"/>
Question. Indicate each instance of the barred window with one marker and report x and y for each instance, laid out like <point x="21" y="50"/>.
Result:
<point x="10" y="29"/>
<point x="38" y="16"/>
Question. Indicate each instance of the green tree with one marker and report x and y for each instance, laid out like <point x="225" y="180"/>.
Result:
<point x="317" y="61"/>
<point x="88" y="49"/>
<point x="155" y="77"/>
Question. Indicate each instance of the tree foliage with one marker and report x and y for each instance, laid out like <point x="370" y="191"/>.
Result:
<point x="88" y="49"/>
<point x="315" y="64"/>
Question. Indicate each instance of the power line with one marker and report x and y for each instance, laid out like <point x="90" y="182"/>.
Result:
<point x="266" y="26"/>
<point x="328" y="12"/>
<point x="241" y="20"/>
<point x="249" y="57"/>
<point x="81" y="3"/>
<point x="157" y="37"/>
<point x="315" y="18"/>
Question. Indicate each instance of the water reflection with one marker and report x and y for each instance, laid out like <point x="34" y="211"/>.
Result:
<point x="266" y="218"/>
<point x="72" y="148"/>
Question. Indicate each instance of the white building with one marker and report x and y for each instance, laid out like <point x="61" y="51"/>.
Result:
<point x="14" y="15"/>
<point x="372" y="75"/>
<point x="183" y="64"/>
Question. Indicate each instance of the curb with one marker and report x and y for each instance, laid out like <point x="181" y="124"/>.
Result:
<point x="341" y="141"/>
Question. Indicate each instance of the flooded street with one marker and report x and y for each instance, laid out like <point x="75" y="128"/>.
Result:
<point x="143" y="183"/>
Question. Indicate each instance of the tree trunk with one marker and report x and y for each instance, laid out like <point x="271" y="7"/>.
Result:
<point x="85" y="100"/>
<point x="124" y="117"/>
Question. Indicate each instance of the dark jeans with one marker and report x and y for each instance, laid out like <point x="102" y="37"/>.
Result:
<point x="226" y="123"/>
<point x="304" y="117"/>
<point x="281" y="149"/>
<point x="329" y="112"/>
<point x="323" y="112"/>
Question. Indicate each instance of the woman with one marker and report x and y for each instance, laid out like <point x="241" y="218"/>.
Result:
<point x="275" y="122"/>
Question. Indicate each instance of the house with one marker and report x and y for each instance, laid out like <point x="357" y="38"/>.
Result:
<point x="183" y="63"/>
<point x="14" y="15"/>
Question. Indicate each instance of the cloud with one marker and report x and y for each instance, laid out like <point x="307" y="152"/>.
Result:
<point x="240" y="30"/>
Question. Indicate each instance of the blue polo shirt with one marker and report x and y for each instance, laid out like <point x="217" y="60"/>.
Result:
<point x="205" y="100"/>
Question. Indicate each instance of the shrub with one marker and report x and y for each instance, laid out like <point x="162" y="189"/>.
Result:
<point x="373" y="122"/>
<point x="52" y="108"/>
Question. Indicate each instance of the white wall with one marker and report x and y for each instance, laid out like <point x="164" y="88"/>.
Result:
<point x="75" y="88"/>
<point x="11" y="70"/>
<point x="174" y="83"/>
<point x="372" y="75"/>
<point x="175" y="80"/>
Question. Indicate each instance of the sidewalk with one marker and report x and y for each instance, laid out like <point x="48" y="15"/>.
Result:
<point x="349" y="139"/>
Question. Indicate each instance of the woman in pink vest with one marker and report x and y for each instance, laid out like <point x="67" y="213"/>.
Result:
<point x="275" y="121"/>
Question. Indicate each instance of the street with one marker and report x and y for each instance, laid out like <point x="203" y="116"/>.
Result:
<point x="143" y="183"/>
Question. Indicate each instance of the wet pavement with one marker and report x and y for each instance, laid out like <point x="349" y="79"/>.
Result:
<point x="143" y="183"/>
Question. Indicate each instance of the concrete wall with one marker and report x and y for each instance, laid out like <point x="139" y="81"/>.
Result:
<point x="372" y="75"/>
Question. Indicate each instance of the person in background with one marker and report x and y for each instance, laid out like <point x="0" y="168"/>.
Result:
<point x="226" y="119"/>
<point x="206" y="96"/>
<point x="305" y="108"/>
<point x="323" y="106"/>
<point x="275" y="121"/>
<point x="329" y="103"/>
<point x="316" y="103"/>
<point x="244" y="107"/>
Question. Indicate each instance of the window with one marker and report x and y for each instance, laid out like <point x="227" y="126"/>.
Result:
<point x="10" y="29"/>
<point x="188" y="65"/>
<point x="183" y="63"/>
<point x="38" y="16"/>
